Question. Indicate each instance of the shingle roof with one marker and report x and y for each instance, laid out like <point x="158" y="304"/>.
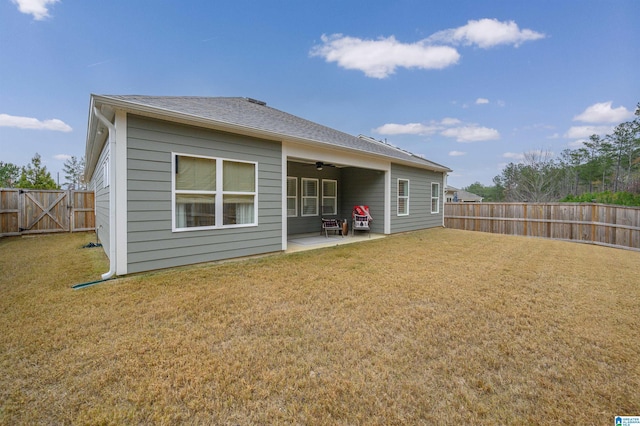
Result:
<point x="464" y="195"/>
<point x="256" y="115"/>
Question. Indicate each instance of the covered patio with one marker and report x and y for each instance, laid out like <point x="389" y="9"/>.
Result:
<point x="331" y="191"/>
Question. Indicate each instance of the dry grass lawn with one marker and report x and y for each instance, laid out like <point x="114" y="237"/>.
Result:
<point x="431" y="327"/>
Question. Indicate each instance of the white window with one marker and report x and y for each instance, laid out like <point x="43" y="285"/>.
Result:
<point x="292" y="196"/>
<point x="105" y="172"/>
<point x="435" y="197"/>
<point x="309" y="197"/>
<point x="329" y="197"/>
<point x="239" y="192"/>
<point x="213" y="193"/>
<point x="403" y="197"/>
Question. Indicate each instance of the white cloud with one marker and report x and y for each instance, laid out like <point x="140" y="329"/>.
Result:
<point x="33" y="123"/>
<point x="457" y="153"/>
<point x="448" y="121"/>
<point x="416" y="128"/>
<point x="582" y="132"/>
<point x="481" y="101"/>
<point x="471" y="133"/>
<point x="449" y="127"/>
<point x="62" y="157"/>
<point x="486" y="33"/>
<point x="37" y="8"/>
<point x="406" y="129"/>
<point x="603" y="113"/>
<point x="380" y="58"/>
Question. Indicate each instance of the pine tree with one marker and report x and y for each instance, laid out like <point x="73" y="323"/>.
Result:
<point x="73" y="170"/>
<point x="36" y="176"/>
<point x="9" y="174"/>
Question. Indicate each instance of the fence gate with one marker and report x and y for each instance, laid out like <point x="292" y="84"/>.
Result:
<point x="44" y="211"/>
<point x="27" y="211"/>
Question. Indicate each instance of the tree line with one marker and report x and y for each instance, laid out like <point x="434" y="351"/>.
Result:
<point x="36" y="176"/>
<point x="602" y="167"/>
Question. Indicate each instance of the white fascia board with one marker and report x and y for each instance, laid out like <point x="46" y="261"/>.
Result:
<point x="95" y="143"/>
<point x="90" y="158"/>
<point x="336" y="155"/>
<point x="329" y="153"/>
<point x="120" y="191"/>
<point x="93" y="147"/>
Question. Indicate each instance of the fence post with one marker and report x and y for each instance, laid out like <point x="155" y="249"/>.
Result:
<point x="70" y="209"/>
<point x="21" y="208"/>
<point x="594" y="219"/>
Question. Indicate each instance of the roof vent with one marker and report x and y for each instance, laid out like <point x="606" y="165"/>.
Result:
<point x="255" y="101"/>
<point x="370" y="139"/>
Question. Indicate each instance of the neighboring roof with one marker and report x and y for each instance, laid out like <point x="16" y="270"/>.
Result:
<point x="256" y="116"/>
<point x="464" y="195"/>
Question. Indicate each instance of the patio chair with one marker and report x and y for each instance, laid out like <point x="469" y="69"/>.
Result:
<point x="331" y="225"/>
<point x="361" y="219"/>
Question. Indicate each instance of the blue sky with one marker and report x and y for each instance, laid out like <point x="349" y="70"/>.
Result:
<point x="468" y="84"/>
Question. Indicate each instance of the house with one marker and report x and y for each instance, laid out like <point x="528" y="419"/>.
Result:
<point x="455" y="195"/>
<point x="183" y="180"/>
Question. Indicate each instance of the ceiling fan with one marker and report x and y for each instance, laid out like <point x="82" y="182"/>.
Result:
<point x="320" y="165"/>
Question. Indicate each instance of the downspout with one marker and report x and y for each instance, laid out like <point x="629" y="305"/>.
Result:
<point x="112" y="198"/>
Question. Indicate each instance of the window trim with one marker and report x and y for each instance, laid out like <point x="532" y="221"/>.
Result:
<point x="219" y="194"/>
<point x="334" y="197"/>
<point x="303" y="197"/>
<point x="295" y="197"/>
<point x="405" y="197"/>
<point x="436" y="197"/>
<point x="105" y="172"/>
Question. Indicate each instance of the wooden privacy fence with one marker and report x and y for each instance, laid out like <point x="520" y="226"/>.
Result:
<point x="602" y="224"/>
<point x="26" y="211"/>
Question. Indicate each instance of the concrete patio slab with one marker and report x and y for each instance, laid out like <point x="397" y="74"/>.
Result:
<point x="302" y="242"/>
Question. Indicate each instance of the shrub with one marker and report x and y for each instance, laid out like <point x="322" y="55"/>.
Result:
<point x="622" y="198"/>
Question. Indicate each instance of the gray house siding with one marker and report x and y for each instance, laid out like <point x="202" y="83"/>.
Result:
<point x="102" y="196"/>
<point x="151" y="243"/>
<point x="420" y="216"/>
<point x="363" y="187"/>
